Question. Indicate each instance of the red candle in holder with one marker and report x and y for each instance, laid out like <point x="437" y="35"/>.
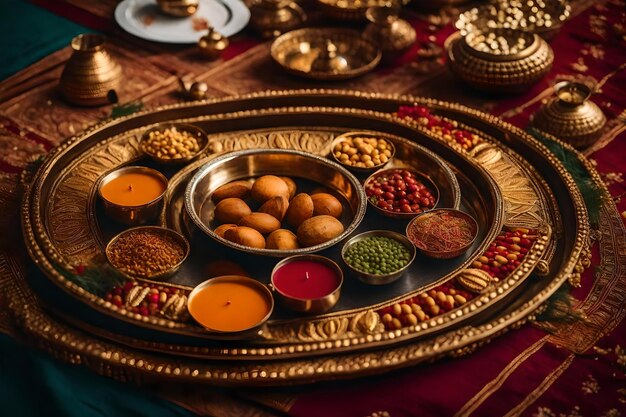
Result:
<point x="308" y="283"/>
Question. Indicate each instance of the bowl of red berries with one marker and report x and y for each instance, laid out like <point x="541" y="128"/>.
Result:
<point x="401" y="192"/>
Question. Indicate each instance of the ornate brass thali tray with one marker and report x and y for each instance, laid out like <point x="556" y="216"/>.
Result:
<point x="64" y="226"/>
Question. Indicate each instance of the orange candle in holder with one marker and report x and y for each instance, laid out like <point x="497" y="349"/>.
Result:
<point x="133" y="189"/>
<point x="230" y="303"/>
<point x="133" y="195"/>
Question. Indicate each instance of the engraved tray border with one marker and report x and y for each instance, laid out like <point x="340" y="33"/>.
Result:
<point x="465" y="336"/>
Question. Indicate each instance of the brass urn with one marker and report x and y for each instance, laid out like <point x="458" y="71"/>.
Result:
<point x="213" y="44"/>
<point x="387" y="30"/>
<point x="571" y="116"/>
<point x="91" y="73"/>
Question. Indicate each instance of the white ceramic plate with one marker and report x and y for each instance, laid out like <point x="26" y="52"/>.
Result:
<point x="143" y="18"/>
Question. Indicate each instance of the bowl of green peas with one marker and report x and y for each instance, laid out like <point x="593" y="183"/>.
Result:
<point x="378" y="257"/>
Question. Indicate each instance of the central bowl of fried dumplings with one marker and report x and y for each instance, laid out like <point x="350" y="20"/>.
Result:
<point x="275" y="202"/>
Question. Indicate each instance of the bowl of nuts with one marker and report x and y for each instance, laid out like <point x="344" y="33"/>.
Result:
<point x="362" y="152"/>
<point x="173" y="143"/>
<point x="147" y="252"/>
<point x="401" y="193"/>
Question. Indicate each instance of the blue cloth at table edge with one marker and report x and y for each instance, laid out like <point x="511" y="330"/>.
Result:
<point x="32" y="384"/>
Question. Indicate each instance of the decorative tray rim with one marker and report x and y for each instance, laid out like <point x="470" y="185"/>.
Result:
<point x="501" y="322"/>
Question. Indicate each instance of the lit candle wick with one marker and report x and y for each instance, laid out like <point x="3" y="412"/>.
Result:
<point x="228" y="302"/>
<point x="130" y="187"/>
<point x="306" y="273"/>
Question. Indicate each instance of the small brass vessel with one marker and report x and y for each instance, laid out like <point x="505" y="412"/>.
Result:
<point x="571" y="116"/>
<point x="379" y="279"/>
<point x="414" y="225"/>
<point x="176" y="237"/>
<point x="274" y="17"/>
<point x="249" y="332"/>
<point x="304" y="305"/>
<point x="199" y="135"/>
<point x="387" y="30"/>
<point x="179" y="8"/>
<point x="499" y="60"/>
<point x="325" y="53"/>
<point x="213" y="44"/>
<point x="196" y="90"/>
<point x="132" y="215"/>
<point x="543" y="17"/>
<point x="90" y="73"/>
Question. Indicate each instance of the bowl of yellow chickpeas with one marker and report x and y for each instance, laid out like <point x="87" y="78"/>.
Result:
<point x="172" y="143"/>
<point x="362" y="152"/>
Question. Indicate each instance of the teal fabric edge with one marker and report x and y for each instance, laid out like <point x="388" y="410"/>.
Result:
<point x="591" y="193"/>
<point x="32" y="384"/>
<point x="29" y="33"/>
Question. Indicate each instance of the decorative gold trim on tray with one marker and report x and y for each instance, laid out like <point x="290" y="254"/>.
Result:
<point x="455" y="342"/>
<point x="345" y="324"/>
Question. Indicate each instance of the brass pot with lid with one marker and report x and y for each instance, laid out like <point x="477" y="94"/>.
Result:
<point x="499" y="60"/>
<point x="213" y="43"/>
<point x="570" y="115"/>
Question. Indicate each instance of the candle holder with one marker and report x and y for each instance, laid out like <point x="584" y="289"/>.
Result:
<point x="571" y="116"/>
<point x="312" y="305"/>
<point x="134" y="214"/>
<point x="252" y="296"/>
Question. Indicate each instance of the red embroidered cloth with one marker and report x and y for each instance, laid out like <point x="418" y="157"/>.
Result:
<point x="578" y="370"/>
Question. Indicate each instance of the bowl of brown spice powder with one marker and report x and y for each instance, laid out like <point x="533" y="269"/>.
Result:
<point x="148" y="252"/>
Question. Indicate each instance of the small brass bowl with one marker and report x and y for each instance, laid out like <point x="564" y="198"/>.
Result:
<point x="309" y="305"/>
<point x="499" y="60"/>
<point x="352" y="135"/>
<point x="325" y="53"/>
<point x="379" y="279"/>
<point x="453" y="253"/>
<point x="196" y="132"/>
<point x="132" y="215"/>
<point x="423" y="178"/>
<point x="156" y="231"/>
<point x="238" y="279"/>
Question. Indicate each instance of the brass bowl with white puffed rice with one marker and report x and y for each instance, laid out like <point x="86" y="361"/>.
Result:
<point x="172" y="143"/>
